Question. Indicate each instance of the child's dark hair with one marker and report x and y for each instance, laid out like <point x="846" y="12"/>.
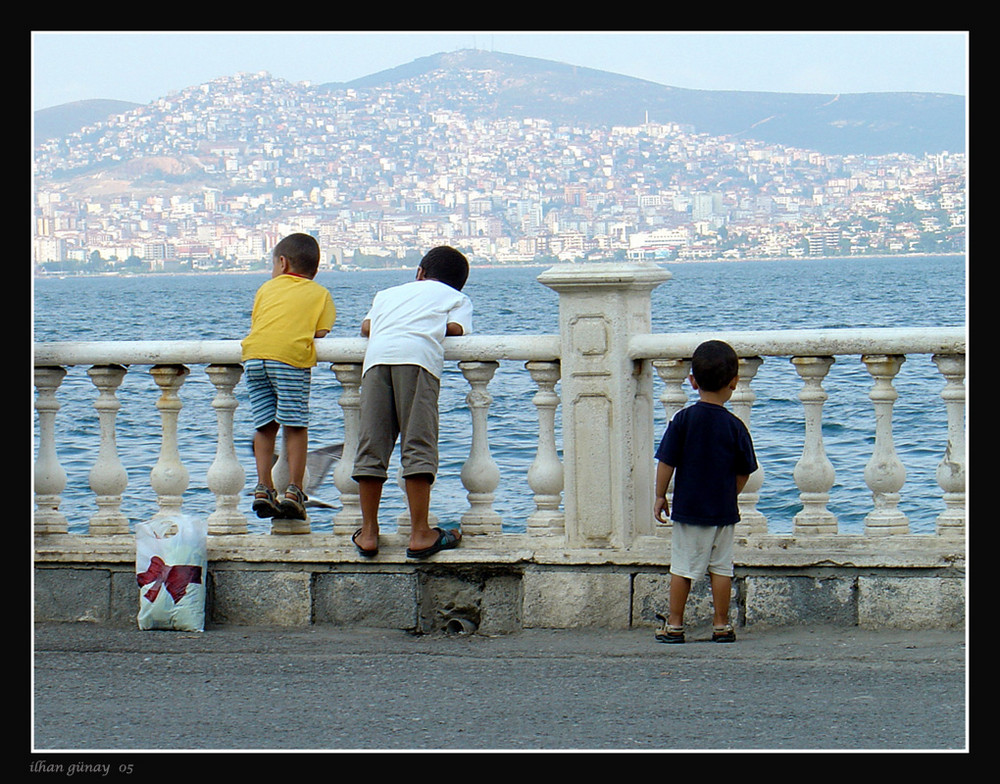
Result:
<point x="302" y="252"/>
<point x="714" y="365"/>
<point x="446" y="265"/>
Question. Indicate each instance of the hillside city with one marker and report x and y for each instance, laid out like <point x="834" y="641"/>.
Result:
<point x="210" y="177"/>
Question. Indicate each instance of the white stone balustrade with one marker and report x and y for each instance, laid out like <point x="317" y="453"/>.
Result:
<point x="751" y="519"/>
<point x="814" y="473"/>
<point x="50" y="477"/>
<point x="951" y="471"/>
<point x="108" y="478"/>
<point x="348" y="519"/>
<point x="595" y="390"/>
<point x="169" y="477"/>
<point x="226" y="477"/>
<point x="480" y="474"/>
<point x="546" y="475"/>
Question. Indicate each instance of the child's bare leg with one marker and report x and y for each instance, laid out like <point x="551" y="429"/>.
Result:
<point x="263" y="452"/>
<point x="296" y="448"/>
<point x="722" y="586"/>
<point x="680" y="587"/>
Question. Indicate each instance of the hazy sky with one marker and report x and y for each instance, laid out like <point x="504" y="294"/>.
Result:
<point x="142" y="66"/>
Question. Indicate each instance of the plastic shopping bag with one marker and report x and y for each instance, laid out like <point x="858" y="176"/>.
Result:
<point x="171" y="563"/>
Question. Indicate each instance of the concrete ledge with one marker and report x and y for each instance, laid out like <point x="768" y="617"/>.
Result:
<point x="259" y="597"/>
<point x="772" y="600"/>
<point x="905" y="602"/>
<point x="376" y="599"/>
<point x="765" y="550"/>
<point x="909" y="582"/>
<point x="571" y="598"/>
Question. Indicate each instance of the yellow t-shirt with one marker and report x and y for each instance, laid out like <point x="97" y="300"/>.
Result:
<point x="287" y="312"/>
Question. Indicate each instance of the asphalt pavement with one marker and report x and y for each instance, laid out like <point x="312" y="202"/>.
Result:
<point x="326" y="689"/>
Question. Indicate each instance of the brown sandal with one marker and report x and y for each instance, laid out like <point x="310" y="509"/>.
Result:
<point x="723" y="634"/>
<point x="669" y="634"/>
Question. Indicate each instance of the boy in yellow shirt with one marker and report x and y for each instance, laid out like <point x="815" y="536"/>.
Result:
<point x="289" y="312"/>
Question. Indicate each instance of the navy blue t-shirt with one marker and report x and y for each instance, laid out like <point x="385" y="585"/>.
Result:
<point x="708" y="446"/>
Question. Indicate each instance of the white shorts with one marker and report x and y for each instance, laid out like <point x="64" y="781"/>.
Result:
<point x="697" y="549"/>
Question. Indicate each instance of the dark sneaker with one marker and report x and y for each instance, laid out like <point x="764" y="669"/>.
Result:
<point x="265" y="502"/>
<point x="293" y="505"/>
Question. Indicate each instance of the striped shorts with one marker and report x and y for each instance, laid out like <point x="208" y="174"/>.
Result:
<point x="278" y="392"/>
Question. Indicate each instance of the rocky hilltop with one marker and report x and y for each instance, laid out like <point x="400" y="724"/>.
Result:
<point x="493" y="85"/>
<point x="845" y="124"/>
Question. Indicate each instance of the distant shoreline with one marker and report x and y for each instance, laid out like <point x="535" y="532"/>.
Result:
<point x="525" y="265"/>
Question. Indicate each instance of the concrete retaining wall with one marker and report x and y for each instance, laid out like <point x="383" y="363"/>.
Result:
<point x="912" y="584"/>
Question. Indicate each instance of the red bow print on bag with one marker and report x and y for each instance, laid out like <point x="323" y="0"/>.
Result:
<point x="175" y="578"/>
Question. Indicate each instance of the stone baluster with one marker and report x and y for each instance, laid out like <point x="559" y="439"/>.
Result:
<point x="814" y="474"/>
<point x="169" y="477"/>
<point x="673" y="373"/>
<point x="884" y="472"/>
<point x="545" y="475"/>
<point x="480" y="474"/>
<point x="951" y="470"/>
<point x="50" y="477"/>
<point x="752" y="521"/>
<point x="280" y="473"/>
<point x="281" y="476"/>
<point x="403" y="518"/>
<point x="348" y="519"/>
<point x="226" y="477"/>
<point x="108" y="478"/>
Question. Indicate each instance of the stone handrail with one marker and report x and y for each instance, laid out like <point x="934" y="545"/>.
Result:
<point x="599" y="495"/>
<point x="810" y="342"/>
<point x="489" y="348"/>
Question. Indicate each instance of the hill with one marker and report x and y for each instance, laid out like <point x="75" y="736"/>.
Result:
<point x="861" y="123"/>
<point x="493" y="85"/>
<point x="59" y="121"/>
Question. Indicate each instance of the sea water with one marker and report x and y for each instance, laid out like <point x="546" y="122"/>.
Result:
<point x="700" y="297"/>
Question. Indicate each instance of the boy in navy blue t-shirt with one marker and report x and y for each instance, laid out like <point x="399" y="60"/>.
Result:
<point x="708" y="452"/>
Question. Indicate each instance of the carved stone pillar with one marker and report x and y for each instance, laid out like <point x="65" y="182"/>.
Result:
<point x="545" y="475"/>
<point x="606" y="400"/>
<point x="169" y="477"/>
<point x="108" y="478"/>
<point x="814" y="474"/>
<point x="226" y="477"/>
<point x="884" y="472"/>
<point x="480" y="474"/>
<point x="348" y="519"/>
<point x="951" y="470"/>
<point x="752" y="521"/>
<point x="50" y="477"/>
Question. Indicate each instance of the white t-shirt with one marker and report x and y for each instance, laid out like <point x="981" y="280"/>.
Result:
<point x="408" y="324"/>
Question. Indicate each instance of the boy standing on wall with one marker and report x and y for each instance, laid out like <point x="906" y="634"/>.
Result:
<point x="401" y="380"/>
<point x="290" y="311"/>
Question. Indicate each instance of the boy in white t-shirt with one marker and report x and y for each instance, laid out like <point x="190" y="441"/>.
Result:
<point x="401" y="380"/>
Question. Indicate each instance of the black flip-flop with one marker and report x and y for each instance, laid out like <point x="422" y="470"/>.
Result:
<point x="447" y="539"/>
<point x="362" y="550"/>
